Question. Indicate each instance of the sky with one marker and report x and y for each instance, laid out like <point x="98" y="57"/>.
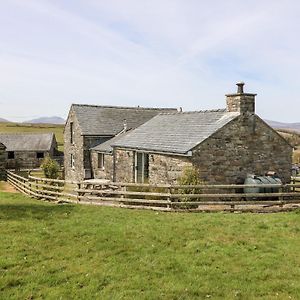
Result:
<point x="152" y="53"/>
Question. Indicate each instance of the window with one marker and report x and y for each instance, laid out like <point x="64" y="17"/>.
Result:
<point x="72" y="161"/>
<point x="11" y="155"/>
<point x="40" y="155"/>
<point x="71" y="133"/>
<point x="141" y="165"/>
<point x="101" y="161"/>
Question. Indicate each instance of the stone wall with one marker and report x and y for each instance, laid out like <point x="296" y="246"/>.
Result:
<point x="2" y="162"/>
<point x="88" y="143"/>
<point x="107" y="171"/>
<point x="162" y="168"/>
<point x="245" y="145"/>
<point x="80" y="149"/>
<point x="25" y="159"/>
<point x="166" y="169"/>
<point x="124" y="166"/>
<point x="75" y="148"/>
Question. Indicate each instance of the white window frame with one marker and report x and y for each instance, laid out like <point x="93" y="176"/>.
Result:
<point x="143" y="166"/>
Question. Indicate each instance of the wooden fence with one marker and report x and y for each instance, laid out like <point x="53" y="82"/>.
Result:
<point x="162" y="197"/>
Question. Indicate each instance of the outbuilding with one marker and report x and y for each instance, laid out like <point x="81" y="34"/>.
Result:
<point x="28" y="150"/>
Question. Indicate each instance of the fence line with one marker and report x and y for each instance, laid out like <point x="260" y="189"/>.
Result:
<point x="158" y="197"/>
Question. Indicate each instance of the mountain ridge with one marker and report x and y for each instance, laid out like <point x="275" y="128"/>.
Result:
<point x="47" y="120"/>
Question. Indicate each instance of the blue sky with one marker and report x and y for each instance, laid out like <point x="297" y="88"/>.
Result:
<point x="170" y="53"/>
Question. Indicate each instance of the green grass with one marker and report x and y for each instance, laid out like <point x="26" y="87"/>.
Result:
<point x="35" y="128"/>
<point x="52" y="251"/>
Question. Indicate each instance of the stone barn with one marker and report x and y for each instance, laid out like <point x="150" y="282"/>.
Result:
<point x="28" y="150"/>
<point x="222" y="145"/>
<point x="2" y="162"/>
<point x="88" y="126"/>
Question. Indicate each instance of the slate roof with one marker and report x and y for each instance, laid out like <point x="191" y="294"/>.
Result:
<point x="176" y="133"/>
<point x="27" y="142"/>
<point x="106" y="146"/>
<point x="109" y="120"/>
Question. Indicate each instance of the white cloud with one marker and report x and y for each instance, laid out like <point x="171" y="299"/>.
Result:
<point x="131" y="52"/>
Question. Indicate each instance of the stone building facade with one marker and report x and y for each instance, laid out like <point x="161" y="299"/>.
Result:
<point x="28" y="150"/>
<point x="89" y="126"/>
<point x="2" y="162"/>
<point x="222" y="145"/>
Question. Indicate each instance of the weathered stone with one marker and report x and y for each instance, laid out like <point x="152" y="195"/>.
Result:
<point x="226" y="157"/>
<point x="2" y="162"/>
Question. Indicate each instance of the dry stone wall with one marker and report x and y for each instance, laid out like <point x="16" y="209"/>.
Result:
<point x="244" y="146"/>
<point x="25" y="159"/>
<point x="166" y="169"/>
<point x="2" y="162"/>
<point x="124" y="166"/>
<point x="107" y="171"/>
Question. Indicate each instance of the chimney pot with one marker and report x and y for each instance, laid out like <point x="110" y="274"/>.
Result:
<point x="240" y="89"/>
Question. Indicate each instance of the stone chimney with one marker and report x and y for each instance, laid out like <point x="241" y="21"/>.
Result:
<point x="241" y="102"/>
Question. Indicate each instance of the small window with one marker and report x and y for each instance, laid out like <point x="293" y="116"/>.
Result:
<point x="11" y="155"/>
<point x="40" y="155"/>
<point x="71" y="133"/>
<point x="101" y="161"/>
<point x="72" y="161"/>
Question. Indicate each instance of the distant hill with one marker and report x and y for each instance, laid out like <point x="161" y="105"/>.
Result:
<point x="47" y="120"/>
<point x="3" y="120"/>
<point x="280" y="125"/>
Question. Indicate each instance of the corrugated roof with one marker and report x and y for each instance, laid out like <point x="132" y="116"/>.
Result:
<point x="106" y="146"/>
<point x="109" y="120"/>
<point x="27" y="142"/>
<point x="176" y="132"/>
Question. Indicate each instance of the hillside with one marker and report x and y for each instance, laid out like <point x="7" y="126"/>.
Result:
<point x="3" y="120"/>
<point x="280" y="125"/>
<point x="35" y="128"/>
<point x="47" y="120"/>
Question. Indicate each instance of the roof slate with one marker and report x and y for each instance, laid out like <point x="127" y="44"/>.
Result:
<point x="106" y="146"/>
<point x="109" y="120"/>
<point x="27" y="142"/>
<point x="2" y="146"/>
<point x="176" y="133"/>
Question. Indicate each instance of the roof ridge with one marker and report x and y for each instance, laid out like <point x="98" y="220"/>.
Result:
<point x="125" y="107"/>
<point x="194" y="112"/>
<point x="26" y="133"/>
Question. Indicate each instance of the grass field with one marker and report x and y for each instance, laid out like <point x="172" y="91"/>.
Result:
<point x="52" y="251"/>
<point x="35" y="128"/>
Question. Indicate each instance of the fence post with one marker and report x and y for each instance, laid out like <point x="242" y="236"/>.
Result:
<point x="294" y="182"/>
<point x="78" y="193"/>
<point x="169" y="198"/>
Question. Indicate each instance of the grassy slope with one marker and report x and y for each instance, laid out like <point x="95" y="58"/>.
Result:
<point x="34" y="128"/>
<point x="50" y="251"/>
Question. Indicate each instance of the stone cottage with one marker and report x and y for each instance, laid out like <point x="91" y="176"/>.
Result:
<point x="88" y="126"/>
<point x="25" y="150"/>
<point x="2" y="162"/>
<point x="222" y="145"/>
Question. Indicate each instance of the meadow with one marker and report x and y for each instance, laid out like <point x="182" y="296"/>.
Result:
<point x="51" y="251"/>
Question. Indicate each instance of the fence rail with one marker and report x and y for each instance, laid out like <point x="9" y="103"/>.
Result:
<point x="161" y="197"/>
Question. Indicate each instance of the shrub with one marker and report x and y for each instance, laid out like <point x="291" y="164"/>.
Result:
<point x="50" y="168"/>
<point x="190" y="176"/>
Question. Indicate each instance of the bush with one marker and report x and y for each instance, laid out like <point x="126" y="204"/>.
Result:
<point x="190" y="176"/>
<point x="50" y="168"/>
